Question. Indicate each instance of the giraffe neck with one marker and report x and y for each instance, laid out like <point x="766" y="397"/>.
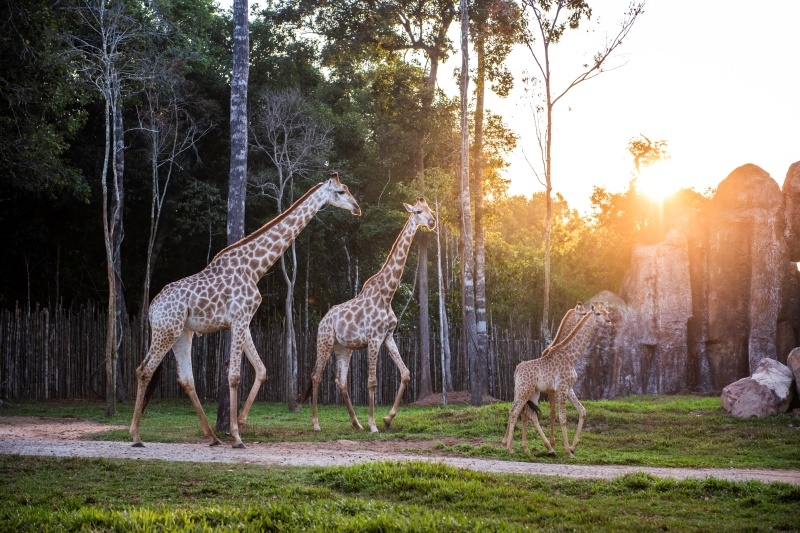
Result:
<point x="387" y="279"/>
<point x="577" y="341"/>
<point x="265" y="245"/>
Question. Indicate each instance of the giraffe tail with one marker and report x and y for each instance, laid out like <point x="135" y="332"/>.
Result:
<point x="533" y="408"/>
<point x="303" y="398"/>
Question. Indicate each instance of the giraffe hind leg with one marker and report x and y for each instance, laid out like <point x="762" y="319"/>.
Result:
<point x="343" y="356"/>
<point x="162" y="342"/>
<point x="261" y="375"/>
<point x="405" y="376"/>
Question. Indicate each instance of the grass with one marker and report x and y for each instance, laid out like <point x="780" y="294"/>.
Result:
<point x="69" y="494"/>
<point x="662" y="431"/>
<point x="66" y="494"/>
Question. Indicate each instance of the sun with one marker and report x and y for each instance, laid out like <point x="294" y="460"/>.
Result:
<point x="657" y="182"/>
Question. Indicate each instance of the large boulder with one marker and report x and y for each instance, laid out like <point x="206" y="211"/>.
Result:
<point x="791" y="193"/>
<point x="767" y="392"/>
<point x="701" y="306"/>
<point x="793" y="363"/>
<point x="746" y="261"/>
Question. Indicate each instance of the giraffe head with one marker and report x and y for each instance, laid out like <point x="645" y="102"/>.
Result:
<point x="601" y="313"/>
<point x="339" y="195"/>
<point x="421" y="214"/>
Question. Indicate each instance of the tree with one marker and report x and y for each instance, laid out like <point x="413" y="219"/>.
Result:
<point x="40" y="103"/>
<point x="370" y="30"/>
<point x="467" y="267"/>
<point x="170" y="131"/>
<point x="106" y="59"/>
<point x="495" y="28"/>
<point x="297" y="145"/>
<point x="237" y="186"/>
<point x="547" y="20"/>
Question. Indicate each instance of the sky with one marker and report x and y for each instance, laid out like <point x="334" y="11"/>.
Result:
<point x="719" y="80"/>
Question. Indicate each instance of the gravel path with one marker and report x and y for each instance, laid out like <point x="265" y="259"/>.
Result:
<point x="56" y="438"/>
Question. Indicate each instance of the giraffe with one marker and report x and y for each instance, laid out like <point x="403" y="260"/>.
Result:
<point x="554" y="372"/>
<point x="568" y="323"/>
<point x="367" y="321"/>
<point x="225" y="295"/>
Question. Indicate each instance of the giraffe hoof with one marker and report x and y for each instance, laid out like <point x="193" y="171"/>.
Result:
<point x="552" y="453"/>
<point x="215" y="442"/>
<point x="387" y="420"/>
<point x="240" y="446"/>
<point x="139" y="444"/>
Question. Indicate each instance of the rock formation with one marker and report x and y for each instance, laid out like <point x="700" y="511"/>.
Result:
<point x="704" y="306"/>
<point x="767" y="392"/>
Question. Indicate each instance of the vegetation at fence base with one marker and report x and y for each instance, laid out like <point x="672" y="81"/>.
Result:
<point x="100" y="495"/>
<point x="663" y="431"/>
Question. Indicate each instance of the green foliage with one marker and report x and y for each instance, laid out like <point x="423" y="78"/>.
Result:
<point x="40" y="105"/>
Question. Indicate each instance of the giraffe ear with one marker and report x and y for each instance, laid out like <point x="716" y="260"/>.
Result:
<point x="409" y="208"/>
<point x="579" y="308"/>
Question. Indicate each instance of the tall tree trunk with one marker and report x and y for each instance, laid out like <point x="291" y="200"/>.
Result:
<point x="444" y="330"/>
<point x="480" y="236"/>
<point x="111" y="344"/>
<point x="121" y="311"/>
<point x="467" y="276"/>
<point x="238" y="169"/>
<point x="425" y="386"/>
<point x="545" y="327"/>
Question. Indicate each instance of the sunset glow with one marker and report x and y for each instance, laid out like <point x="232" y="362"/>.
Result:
<point x="657" y="181"/>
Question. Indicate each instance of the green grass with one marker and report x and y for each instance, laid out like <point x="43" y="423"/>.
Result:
<point x="65" y="494"/>
<point x="663" y="431"/>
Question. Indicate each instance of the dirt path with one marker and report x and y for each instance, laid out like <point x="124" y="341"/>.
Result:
<point x="57" y="437"/>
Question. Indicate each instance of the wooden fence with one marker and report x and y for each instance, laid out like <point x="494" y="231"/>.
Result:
<point x="60" y="353"/>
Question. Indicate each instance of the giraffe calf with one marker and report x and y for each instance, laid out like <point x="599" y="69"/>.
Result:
<point x="554" y="372"/>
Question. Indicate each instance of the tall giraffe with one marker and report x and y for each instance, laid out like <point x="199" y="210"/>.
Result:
<point x="367" y="321"/>
<point x="225" y="295"/>
<point x="554" y="372"/>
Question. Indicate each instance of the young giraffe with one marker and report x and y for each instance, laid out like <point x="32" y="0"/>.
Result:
<point x="554" y="371"/>
<point x="225" y="295"/>
<point x="367" y="321"/>
<point x="568" y="323"/>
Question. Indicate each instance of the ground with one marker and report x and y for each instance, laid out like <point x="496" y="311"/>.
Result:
<point x="60" y="437"/>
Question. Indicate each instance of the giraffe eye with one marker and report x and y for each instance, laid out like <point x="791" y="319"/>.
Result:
<point x="339" y="192"/>
<point x="418" y="211"/>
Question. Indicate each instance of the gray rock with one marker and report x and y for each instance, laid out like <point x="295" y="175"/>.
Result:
<point x="767" y="392"/>
<point x="791" y="193"/>
<point x="793" y="363"/>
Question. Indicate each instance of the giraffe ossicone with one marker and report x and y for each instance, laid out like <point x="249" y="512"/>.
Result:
<point x="554" y="373"/>
<point x="225" y="295"/>
<point x="368" y="321"/>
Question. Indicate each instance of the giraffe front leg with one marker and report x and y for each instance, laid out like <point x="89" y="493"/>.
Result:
<point x="261" y="375"/>
<point x="581" y="417"/>
<point x="562" y="418"/>
<point x="183" y="355"/>
<point x="405" y="376"/>
<point x="372" y="356"/>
